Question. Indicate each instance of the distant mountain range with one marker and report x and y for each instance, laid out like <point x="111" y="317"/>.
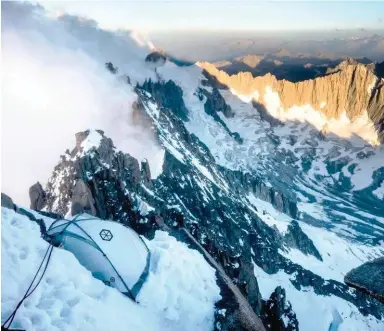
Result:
<point x="284" y="64"/>
<point x="329" y="45"/>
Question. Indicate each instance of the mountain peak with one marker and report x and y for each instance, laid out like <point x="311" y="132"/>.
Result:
<point x="351" y="90"/>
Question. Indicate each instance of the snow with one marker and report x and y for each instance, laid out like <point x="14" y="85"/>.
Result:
<point x="179" y="295"/>
<point x="339" y="255"/>
<point x="285" y="320"/>
<point x="313" y="209"/>
<point x="181" y="285"/>
<point x="93" y="140"/>
<point x="143" y="207"/>
<point x="316" y="310"/>
<point x="246" y="98"/>
<point x="372" y="85"/>
<point x="379" y="192"/>
<point x="362" y="176"/>
<point x="269" y="214"/>
<point x="342" y="126"/>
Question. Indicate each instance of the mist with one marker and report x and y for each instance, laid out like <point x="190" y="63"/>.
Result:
<point x="54" y="84"/>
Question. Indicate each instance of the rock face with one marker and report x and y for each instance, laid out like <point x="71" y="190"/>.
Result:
<point x="369" y="277"/>
<point x="216" y="103"/>
<point x="37" y="196"/>
<point x="7" y="202"/>
<point x="101" y="181"/>
<point x="156" y="57"/>
<point x="169" y="95"/>
<point x="212" y="203"/>
<point x="352" y="87"/>
<point x="82" y="200"/>
<point x="279" y="311"/>
<point x="296" y="238"/>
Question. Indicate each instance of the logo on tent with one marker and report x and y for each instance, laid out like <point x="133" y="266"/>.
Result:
<point x="106" y="235"/>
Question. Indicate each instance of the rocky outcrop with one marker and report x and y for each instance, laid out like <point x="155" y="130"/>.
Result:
<point x="216" y="103"/>
<point x="352" y="88"/>
<point x="156" y="57"/>
<point x="102" y="182"/>
<point x="37" y="196"/>
<point x="168" y="95"/>
<point x="194" y="193"/>
<point x="146" y="173"/>
<point x="82" y="200"/>
<point x="242" y="314"/>
<point x="278" y="314"/>
<point x="246" y="183"/>
<point x="7" y="202"/>
<point x="369" y="278"/>
<point x="247" y="283"/>
<point x="296" y="238"/>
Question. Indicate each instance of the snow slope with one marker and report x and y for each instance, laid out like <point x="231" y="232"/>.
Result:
<point x="179" y="294"/>
<point x="316" y="312"/>
<point x="325" y="173"/>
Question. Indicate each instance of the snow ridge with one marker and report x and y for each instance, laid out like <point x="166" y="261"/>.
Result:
<point x="179" y="295"/>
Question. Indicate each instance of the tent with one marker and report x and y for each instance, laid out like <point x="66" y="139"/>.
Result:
<point x="113" y="252"/>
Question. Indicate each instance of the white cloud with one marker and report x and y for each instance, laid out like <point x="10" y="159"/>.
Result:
<point x="55" y="84"/>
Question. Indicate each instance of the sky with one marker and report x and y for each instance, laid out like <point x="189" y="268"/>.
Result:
<point x="179" y="15"/>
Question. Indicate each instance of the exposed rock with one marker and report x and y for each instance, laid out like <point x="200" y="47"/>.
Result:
<point x="241" y="315"/>
<point x="278" y="314"/>
<point x="215" y="212"/>
<point x="37" y="196"/>
<point x="156" y="57"/>
<point x="168" y="95"/>
<point x="7" y="202"/>
<point x="111" y="67"/>
<point x="247" y="283"/>
<point x="352" y="88"/>
<point x="369" y="277"/>
<point x="296" y="238"/>
<point x="102" y="182"/>
<point x="146" y="173"/>
<point x="82" y="200"/>
<point x="216" y="103"/>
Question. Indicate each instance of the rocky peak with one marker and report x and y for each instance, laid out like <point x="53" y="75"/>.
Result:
<point x="88" y="139"/>
<point x="7" y="201"/>
<point x="352" y="89"/>
<point x="96" y="178"/>
<point x="156" y="56"/>
<point x="146" y="173"/>
<point x="99" y="179"/>
<point x="37" y="196"/>
<point x="278" y="313"/>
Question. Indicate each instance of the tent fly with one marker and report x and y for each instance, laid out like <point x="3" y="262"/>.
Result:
<point x="113" y="252"/>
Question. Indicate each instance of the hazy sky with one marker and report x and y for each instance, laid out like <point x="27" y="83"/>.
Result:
<point x="158" y="15"/>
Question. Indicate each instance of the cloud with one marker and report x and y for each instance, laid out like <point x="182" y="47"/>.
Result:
<point x="55" y="84"/>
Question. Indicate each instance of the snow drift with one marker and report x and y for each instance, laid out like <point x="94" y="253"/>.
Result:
<point x="179" y="295"/>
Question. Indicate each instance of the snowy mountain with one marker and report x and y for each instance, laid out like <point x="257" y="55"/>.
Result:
<point x="281" y="202"/>
<point x="69" y="298"/>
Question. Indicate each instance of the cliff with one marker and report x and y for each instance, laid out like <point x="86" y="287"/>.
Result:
<point x="369" y="278"/>
<point x="351" y="88"/>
